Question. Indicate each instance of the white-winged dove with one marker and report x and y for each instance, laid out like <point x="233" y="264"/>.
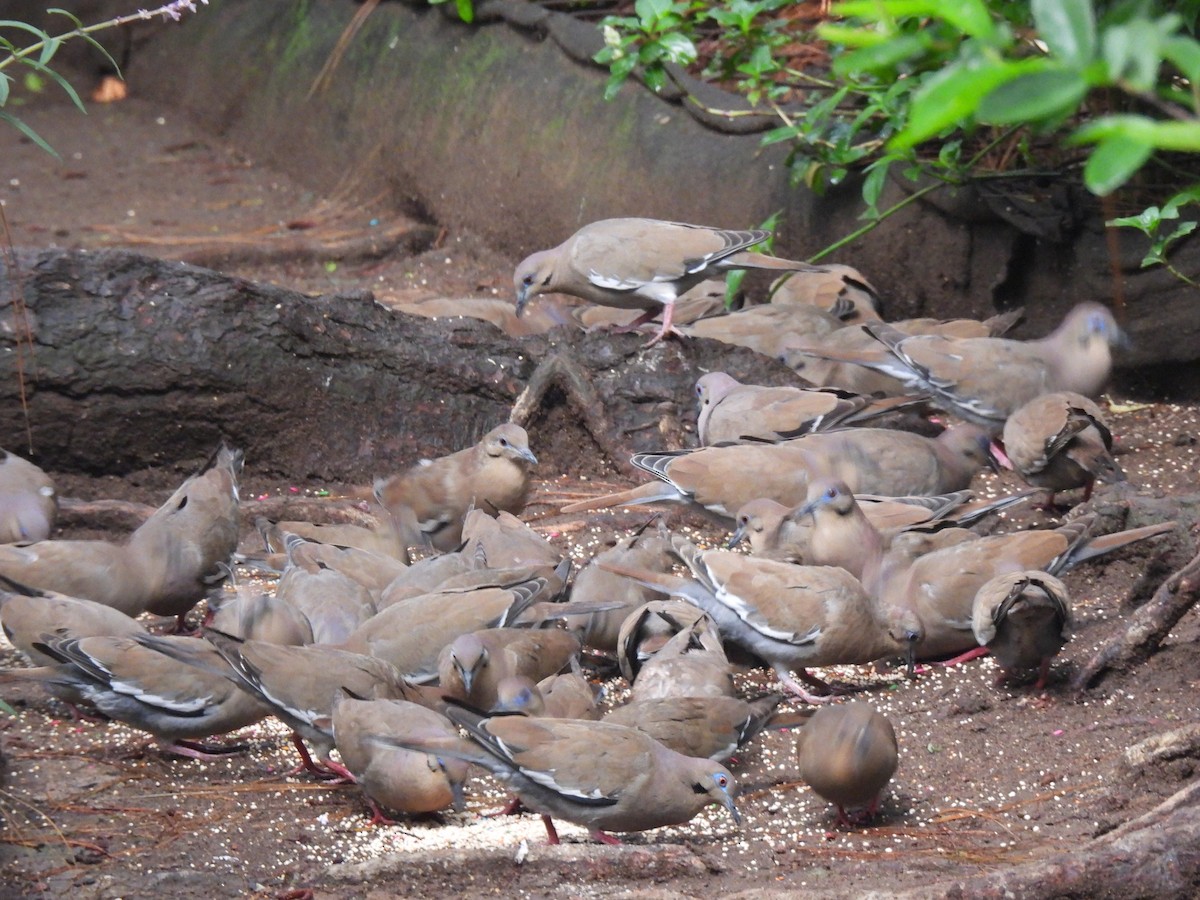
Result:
<point x="671" y="648"/>
<point x="334" y="604"/>
<point x="924" y="592"/>
<point x="789" y="616"/>
<point x="604" y="777"/>
<point x="848" y="754"/>
<point x="404" y="781"/>
<point x="642" y="550"/>
<point x="380" y="539"/>
<point x="31" y="616"/>
<point x="783" y="532"/>
<point x="1024" y="618"/>
<point x="706" y="727"/>
<point x="1059" y="441"/>
<point x="837" y="288"/>
<point x="28" y="501"/>
<point x="253" y="614"/>
<point x="429" y="501"/>
<point x="731" y="411"/>
<point x="299" y="684"/>
<point x="411" y="633"/>
<point x="871" y="460"/>
<point x="471" y="666"/>
<point x="370" y="568"/>
<point x="147" y="689"/>
<point x="985" y="380"/>
<point x="641" y="264"/>
<point x="505" y="541"/>
<point x="830" y="361"/>
<point x="704" y="300"/>
<point x="166" y="565"/>
<point x="765" y="329"/>
<point x="567" y="695"/>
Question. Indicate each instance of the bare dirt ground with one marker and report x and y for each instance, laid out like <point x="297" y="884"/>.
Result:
<point x="990" y="777"/>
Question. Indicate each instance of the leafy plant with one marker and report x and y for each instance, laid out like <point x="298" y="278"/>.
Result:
<point x="657" y="34"/>
<point x="38" y="55"/>
<point x="950" y="90"/>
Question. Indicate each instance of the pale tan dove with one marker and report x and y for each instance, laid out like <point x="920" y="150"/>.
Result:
<point x="1024" y="619"/>
<point x="164" y="567"/>
<point x="604" y="777"/>
<point x="380" y="539"/>
<point x="332" y="603"/>
<point x="429" y="501"/>
<point x="404" y="781"/>
<point x="985" y="380"/>
<point x="1059" y="441"/>
<point x="731" y="411"/>
<point x="31" y="616"/>
<point x="848" y="754"/>
<point x="871" y="460"/>
<point x="28" y="500"/>
<point x="505" y="541"/>
<point x="642" y="264"/>
<point x="829" y="360"/>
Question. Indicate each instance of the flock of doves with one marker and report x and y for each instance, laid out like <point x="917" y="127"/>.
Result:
<point x="859" y="550"/>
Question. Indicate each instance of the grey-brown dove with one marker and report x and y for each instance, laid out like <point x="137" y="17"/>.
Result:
<point x="299" y="684"/>
<point x="706" y="727"/>
<point x="601" y="776"/>
<point x="985" y="380"/>
<point x="471" y="666"/>
<point x="848" y="754"/>
<point x="147" y="689"/>
<point x="871" y="460"/>
<point x="594" y="583"/>
<point x="766" y="329"/>
<point x="731" y="411"/>
<point x="505" y="541"/>
<point x="28" y="500"/>
<point x="926" y="598"/>
<point x="1024" y="618"/>
<point x="789" y="616"/>
<point x="567" y="695"/>
<point x="403" y="781"/>
<point x="1059" y="441"/>
<point x="411" y="633"/>
<point x="429" y="501"/>
<point x="165" y="567"/>
<point x="642" y="264"/>
<point x="837" y="288"/>
<point x="380" y="539"/>
<point x="672" y="648"/>
<point x="333" y="604"/>
<point x="31" y="616"/>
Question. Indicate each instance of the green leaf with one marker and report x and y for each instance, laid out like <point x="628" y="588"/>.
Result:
<point x="1183" y="198"/>
<point x="28" y="132"/>
<point x="1113" y="162"/>
<point x="874" y="183"/>
<point x="679" y="48"/>
<point x="1068" y="27"/>
<point x="466" y="10"/>
<point x="1033" y="97"/>
<point x="879" y="56"/>
<point x="1132" y="54"/>
<point x="1180" y="136"/>
<point x="651" y="11"/>
<point x="733" y="284"/>
<point x="845" y="36"/>
<point x="951" y="96"/>
<point x="34" y="82"/>
<point x="1184" y="54"/>
<point x="1147" y="221"/>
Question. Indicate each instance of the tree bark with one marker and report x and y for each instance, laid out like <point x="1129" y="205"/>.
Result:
<point x="139" y="362"/>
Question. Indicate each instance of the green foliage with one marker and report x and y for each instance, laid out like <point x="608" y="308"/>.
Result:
<point x="1151" y="222"/>
<point x="464" y="8"/>
<point x="929" y="88"/>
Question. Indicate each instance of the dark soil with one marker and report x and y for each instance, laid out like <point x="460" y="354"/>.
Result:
<point x="990" y="777"/>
